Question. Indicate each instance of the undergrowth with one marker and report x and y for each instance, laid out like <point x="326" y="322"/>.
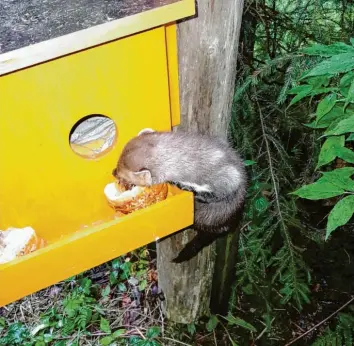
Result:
<point x="276" y="141"/>
<point x="117" y="303"/>
<point x="109" y="305"/>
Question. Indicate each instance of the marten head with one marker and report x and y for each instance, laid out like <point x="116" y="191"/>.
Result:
<point x="133" y="164"/>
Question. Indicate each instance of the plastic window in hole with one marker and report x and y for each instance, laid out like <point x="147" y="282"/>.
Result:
<point x="93" y="136"/>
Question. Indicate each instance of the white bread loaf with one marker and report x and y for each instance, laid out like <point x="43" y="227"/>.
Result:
<point x="16" y="242"/>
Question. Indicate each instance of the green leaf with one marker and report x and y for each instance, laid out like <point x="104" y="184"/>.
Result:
<point x="116" y="263"/>
<point x="350" y="95"/>
<point x="352" y="41"/>
<point x="249" y="162"/>
<point x="325" y="106"/>
<point x="346" y="155"/>
<point x="344" y="91"/>
<point x="113" y="277"/>
<point x="319" y="81"/>
<point x="323" y="91"/>
<point x="142" y="285"/>
<point x="346" y="80"/>
<point x="107" y="340"/>
<point x="85" y="285"/>
<point x="84" y="317"/>
<point x="340" y="214"/>
<point x="191" y="328"/>
<point x="330" y="50"/>
<point x="122" y="287"/>
<point x="335" y="114"/>
<point x="48" y="338"/>
<point x="300" y="89"/>
<point x="261" y="204"/>
<point x="106" y="291"/>
<point x="39" y="343"/>
<point x="71" y="305"/>
<point x="153" y="332"/>
<point x="68" y="326"/>
<point x="104" y="325"/>
<point x="248" y="289"/>
<point x="17" y="333"/>
<point x="344" y="126"/>
<point x="60" y="343"/>
<point x="336" y="64"/>
<point x="299" y="97"/>
<point x="240" y="322"/>
<point x="318" y="190"/>
<point x="119" y="332"/>
<point x="340" y="177"/>
<point x="329" y="150"/>
<point x="350" y="138"/>
<point x="212" y="323"/>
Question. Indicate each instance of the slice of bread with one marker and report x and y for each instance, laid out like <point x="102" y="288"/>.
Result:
<point x="16" y="242"/>
<point x="125" y="200"/>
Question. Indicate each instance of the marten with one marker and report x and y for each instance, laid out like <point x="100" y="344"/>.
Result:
<point x="205" y="165"/>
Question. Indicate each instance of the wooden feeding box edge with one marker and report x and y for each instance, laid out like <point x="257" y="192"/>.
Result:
<point x="86" y="248"/>
<point x="93" y="36"/>
<point x="94" y="245"/>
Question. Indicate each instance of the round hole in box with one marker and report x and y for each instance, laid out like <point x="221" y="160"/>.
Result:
<point x="93" y="136"/>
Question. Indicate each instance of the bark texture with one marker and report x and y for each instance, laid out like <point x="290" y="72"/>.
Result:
<point x="207" y="56"/>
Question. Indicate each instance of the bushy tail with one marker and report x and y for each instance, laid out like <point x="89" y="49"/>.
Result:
<point x="218" y="216"/>
<point x="207" y="235"/>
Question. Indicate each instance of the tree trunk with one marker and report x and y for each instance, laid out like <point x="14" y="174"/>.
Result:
<point x="207" y="53"/>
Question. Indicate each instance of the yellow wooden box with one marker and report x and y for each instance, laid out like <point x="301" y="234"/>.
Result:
<point x="125" y="69"/>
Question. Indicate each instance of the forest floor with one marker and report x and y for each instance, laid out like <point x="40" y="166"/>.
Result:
<point x="118" y="303"/>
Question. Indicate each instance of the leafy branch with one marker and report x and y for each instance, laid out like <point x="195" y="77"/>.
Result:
<point x="334" y="116"/>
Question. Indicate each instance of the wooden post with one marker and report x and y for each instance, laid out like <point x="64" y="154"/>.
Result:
<point x="207" y="53"/>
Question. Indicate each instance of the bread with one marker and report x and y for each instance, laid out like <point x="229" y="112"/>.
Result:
<point x="126" y="199"/>
<point x="16" y="242"/>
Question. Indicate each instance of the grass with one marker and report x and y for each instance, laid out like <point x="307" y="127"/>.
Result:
<point x="117" y="303"/>
<point x="114" y="304"/>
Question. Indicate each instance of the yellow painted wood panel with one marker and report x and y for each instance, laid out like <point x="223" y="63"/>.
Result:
<point x="43" y="183"/>
<point x="88" y="248"/>
<point x="93" y="36"/>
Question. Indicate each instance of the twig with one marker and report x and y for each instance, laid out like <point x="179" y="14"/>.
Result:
<point x="287" y="238"/>
<point x="347" y="255"/>
<point x="320" y="323"/>
<point x="227" y="332"/>
<point x="141" y="334"/>
<point x="176" y="341"/>
<point x="216" y="344"/>
<point x="264" y="330"/>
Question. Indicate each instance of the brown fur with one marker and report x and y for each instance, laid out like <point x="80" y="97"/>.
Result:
<point x="205" y="165"/>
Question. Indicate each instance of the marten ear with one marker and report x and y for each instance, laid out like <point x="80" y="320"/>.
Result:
<point x="147" y="130"/>
<point x="144" y="176"/>
<point x="114" y="173"/>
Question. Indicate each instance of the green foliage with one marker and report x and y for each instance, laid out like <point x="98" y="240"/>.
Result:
<point x="17" y="334"/>
<point x="282" y="43"/>
<point x="81" y="313"/>
<point x="337" y="109"/>
<point x="328" y="51"/>
<point x="150" y="340"/>
<point x="343" y="334"/>
<point x="212" y="323"/>
<point x="240" y="322"/>
<point x="340" y="214"/>
<point x="269" y="215"/>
